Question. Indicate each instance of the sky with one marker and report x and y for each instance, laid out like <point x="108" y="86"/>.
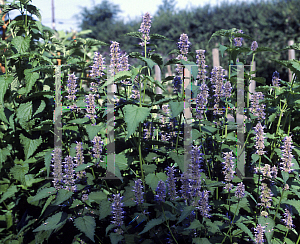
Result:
<point x="66" y="10"/>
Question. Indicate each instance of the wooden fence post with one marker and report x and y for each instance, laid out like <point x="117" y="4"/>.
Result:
<point x="215" y="54"/>
<point x="252" y="84"/>
<point x="157" y="78"/>
<point x="291" y="56"/>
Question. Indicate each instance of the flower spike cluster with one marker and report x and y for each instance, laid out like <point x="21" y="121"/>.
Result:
<point x="115" y="57"/>
<point x="201" y="63"/>
<point x="201" y="100"/>
<point x="183" y="46"/>
<point x="138" y="191"/>
<point x="145" y="29"/>
<point x="275" y="79"/>
<point x="117" y="210"/>
<point x="259" y="130"/>
<point x="238" y="40"/>
<point x="256" y="108"/>
<point x="57" y="168"/>
<point x="228" y="170"/>
<point x="71" y="87"/>
<point x="287" y="155"/>
<point x="161" y="191"/>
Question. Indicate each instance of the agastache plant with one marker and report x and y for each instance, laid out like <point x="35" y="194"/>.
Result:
<point x="57" y="168"/>
<point x="97" y="69"/>
<point x="287" y="155"/>
<point x="183" y="46"/>
<point x="69" y="176"/>
<point x="161" y="192"/>
<point x="256" y="108"/>
<point x="79" y="159"/>
<point x="117" y="211"/>
<point x="228" y="170"/>
<point x="200" y="61"/>
<point x="259" y="136"/>
<point x="238" y="40"/>
<point x="171" y="182"/>
<point x="275" y="79"/>
<point x="145" y="29"/>
<point x="138" y="191"/>
<point x="259" y="234"/>
<point x="115" y="54"/>
<point x="71" y="87"/>
<point x="217" y="81"/>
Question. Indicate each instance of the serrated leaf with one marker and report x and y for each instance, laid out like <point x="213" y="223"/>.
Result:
<point x="149" y="168"/>
<point x="9" y="193"/>
<point x="21" y="43"/>
<point x="50" y="223"/>
<point x="49" y="200"/>
<point x="30" y="78"/>
<point x="179" y="160"/>
<point x="152" y="179"/>
<point x="79" y="121"/>
<point x="83" y="167"/>
<point x="195" y="225"/>
<point x="185" y="213"/>
<point x="92" y="130"/>
<point x="176" y="108"/>
<point x="121" y="161"/>
<point x="87" y="225"/>
<point x="47" y="160"/>
<point x="30" y="145"/>
<point x="133" y="116"/>
<point x="19" y="172"/>
<point x="105" y="209"/>
<point x="62" y="196"/>
<point x="76" y="203"/>
<point x="115" y="238"/>
<point x="46" y="192"/>
<point x="4" y="152"/>
<point x="41" y="108"/>
<point x="24" y="111"/>
<point x="246" y="230"/>
<point x="151" y="224"/>
<point x="4" y="83"/>
<point x="97" y="196"/>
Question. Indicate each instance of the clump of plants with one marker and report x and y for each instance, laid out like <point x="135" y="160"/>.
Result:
<point x="132" y="162"/>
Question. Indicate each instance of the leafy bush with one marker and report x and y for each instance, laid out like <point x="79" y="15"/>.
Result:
<point x="142" y="165"/>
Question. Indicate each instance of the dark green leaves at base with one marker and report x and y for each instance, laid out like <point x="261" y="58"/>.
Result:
<point x="133" y="116"/>
<point x="87" y="225"/>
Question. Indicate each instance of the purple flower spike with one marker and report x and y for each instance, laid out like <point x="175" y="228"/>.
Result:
<point x="161" y="191"/>
<point x="240" y="190"/>
<point x="71" y="87"/>
<point x="57" y="168"/>
<point x="145" y="29"/>
<point x="254" y="46"/>
<point x="117" y="210"/>
<point x="69" y="177"/>
<point x="275" y="79"/>
<point x="259" y="130"/>
<point x="288" y="220"/>
<point x="138" y="191"/>
<point x="171" y="183"/>
<point x="204" y="207"/>
<point x="238" y="40"/>
<point x="98" y="146"/>
<point x="259" y="234"/>
<point x="287" y="155"/>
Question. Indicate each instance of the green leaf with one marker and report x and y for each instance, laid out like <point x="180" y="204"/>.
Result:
<point x="19" y="172"/>
<point x="87" y="225"/>
<point x="21" y="43"/>
<point x="49" y="200"/>
<point x="294" y="203"/>
<point x="30" y="78"/>
<point x="152" y="179"/>
<point x="105" y="209"/>
<point x="176" y="108"/>
<point x="199" y="240"/>
<point x="157" y="58"/>
<point x="179" y="160"/>
<point x="149" y="62"/>
<point x="4" y="83"/>
<point x="135" y="34"/>
<point x="30" y="145"/>
<point x="208" y="129"/>
<point x="151" y="224"/>
<point x="83" y="167"/>
<point x="121" y="161"/>
<point x="76" y="203"/>
<point x="62" y="196"/>
<point x="4" y="152"/>
<point x="149" y="168"/>
<point x="156" y="82"/>
<point x="222" y="49"/>
<point x="47" y="160"/>
<point x="50" y="223"/>
<point x="246" y="230"/>
<point x="260" y="80"/>
<point x="41" y="107"/>
<point x="195" y="134"/>
<point x="115" y="238"/>
<point x="195" y="225"/>
<point x="97" y="196"/>
<point x="9" y="193"/>
<point x="133" y="116"/>
<point x="157" y="36"/>
<point x="24" y="111"/>
<point x="46" y="192"/>
<point x="92" y="130"/>
<point x="185" y="213"/>
<point x="79" y="121"/>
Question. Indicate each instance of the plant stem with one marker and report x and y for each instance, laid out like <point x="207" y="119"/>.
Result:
<point x="169" y="225"/>
<point x="279" y="203"/>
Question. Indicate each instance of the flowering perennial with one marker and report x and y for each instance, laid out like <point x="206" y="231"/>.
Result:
<point x="201" y="64"/>
<point x="259" y="130"/>
<point x="79" y="159"/>
<point x="161" y="191"/>
<point x="69" y="176"/>
<point x="115" y="57"/>
<point x="57" y="168"/>
<point x="240" y="190"/>
<point x="71" y="87"/>
<point x="254" y="46"/>
<point x="138" y="191"/>
<point x="183" y="46"/>
<point x="201" y="100"/>
<point x="145" y="29"/>
<point x="204" y="207"/>
<point x="98" y="146"/>
<point x="171" y="183"/>
<point x="90" y="108"/>
<point x="238" y="40"/>
<point x="287" y="155"/>
<point x="194" y="170"/>
<point x="228" y="170"/>
<point x="259" y="234"/>
<point x="217" y="81"/>
<point x="288" y="220"/>
<point x="256" y="108"/>
<point x="266" y="196"/>
<point x="275" y="79"/>
<point x="117" y="210"/>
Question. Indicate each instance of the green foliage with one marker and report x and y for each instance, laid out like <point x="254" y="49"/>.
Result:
<point x="87" y="225"/>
